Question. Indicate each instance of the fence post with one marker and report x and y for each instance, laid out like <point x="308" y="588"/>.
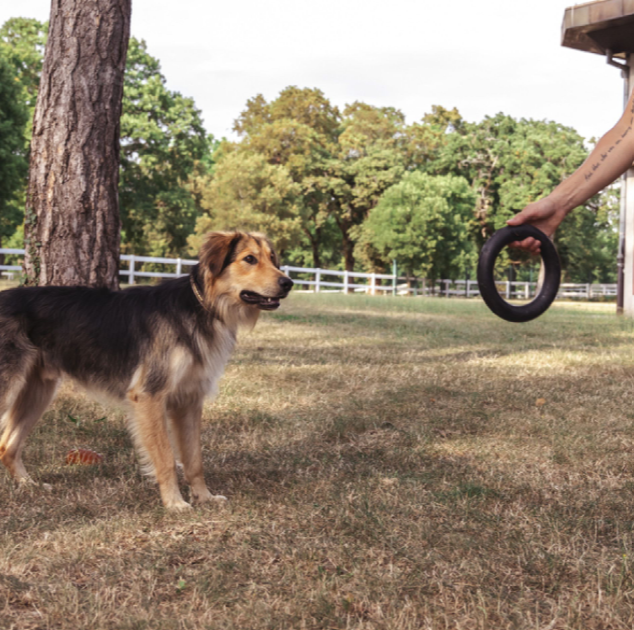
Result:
<point x="317" y="278"/>
<point x="508" y="290"/>
<point x="394" y="270"/>
<point x="527" y="291"/>
<point x="373" y="284"/>
<point x="345" y="282"/>
<point x="179" y="267"/>
<point x="131" y="274"/>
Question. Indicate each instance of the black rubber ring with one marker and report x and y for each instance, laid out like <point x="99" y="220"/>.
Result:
<point x="549" y="288"/>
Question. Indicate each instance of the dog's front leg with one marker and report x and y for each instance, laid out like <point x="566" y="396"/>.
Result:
<point x="186" y="421"/>
<point x="153" y="441"/>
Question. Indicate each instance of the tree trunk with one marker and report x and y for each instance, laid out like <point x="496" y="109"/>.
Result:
<point x="348" y="252"/>
<point x="314" y="244"/>
<point x="347" y="245"/>
<point x="72" y="225"/>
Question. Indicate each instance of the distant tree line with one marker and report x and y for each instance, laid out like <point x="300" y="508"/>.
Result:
<point x="351" y="188"/>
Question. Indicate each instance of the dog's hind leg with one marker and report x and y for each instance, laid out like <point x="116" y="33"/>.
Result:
<point x="150" y="433"/>
<point x="24" y="410"/>
<point x="185" y="422"/>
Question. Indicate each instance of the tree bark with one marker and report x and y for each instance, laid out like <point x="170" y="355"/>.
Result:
<point x="347" y="244"/>
<point x="348" y="249"/>
<point x="314" y="244"/>
<point x="72" y="224"/>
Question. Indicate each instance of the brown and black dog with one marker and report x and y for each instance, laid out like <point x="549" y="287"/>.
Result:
<point x="157" y="350"/>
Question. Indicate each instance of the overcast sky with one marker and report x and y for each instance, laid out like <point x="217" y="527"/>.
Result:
<point x="481" y="57"/>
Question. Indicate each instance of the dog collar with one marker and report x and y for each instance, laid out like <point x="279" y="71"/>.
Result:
<point x="197" y="292"/>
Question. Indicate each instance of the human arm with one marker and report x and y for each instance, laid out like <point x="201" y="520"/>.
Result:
<point x="612" y="156"/>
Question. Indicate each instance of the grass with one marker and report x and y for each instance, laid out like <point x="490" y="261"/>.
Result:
<point x="390" y="463"/>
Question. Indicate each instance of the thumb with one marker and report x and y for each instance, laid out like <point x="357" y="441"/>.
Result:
<point x="528" y="214"/>
<point x="519" y="218"/>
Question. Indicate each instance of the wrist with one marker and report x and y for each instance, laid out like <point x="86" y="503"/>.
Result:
<point x="561" y="202"/>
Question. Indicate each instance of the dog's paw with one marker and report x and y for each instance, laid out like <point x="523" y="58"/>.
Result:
<point x="26" y="481"/>
<point x="206" y="496"/>
<point x="178" y="506"/>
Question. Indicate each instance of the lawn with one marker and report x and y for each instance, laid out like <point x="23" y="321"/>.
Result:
<point x="390" y="463"/>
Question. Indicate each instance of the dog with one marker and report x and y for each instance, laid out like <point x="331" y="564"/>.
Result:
<point x="158" y="351"/>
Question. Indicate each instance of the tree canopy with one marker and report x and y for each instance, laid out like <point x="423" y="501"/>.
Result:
<point x="164" y="145"/>
<point x="340" y="163"/>
<point x="423" y="223"/>
<point x="13" y="163"/>
<point x="22" y="41"/>
<point x="162" y="142"/>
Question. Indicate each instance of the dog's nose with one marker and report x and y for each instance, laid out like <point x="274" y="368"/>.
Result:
<point x="286" y="284"/>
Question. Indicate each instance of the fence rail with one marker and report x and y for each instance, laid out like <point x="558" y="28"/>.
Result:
<point x="311" y="280"/>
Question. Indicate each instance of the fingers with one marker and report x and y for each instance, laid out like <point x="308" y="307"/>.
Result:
<point x="531" y="245"/>
<point x="543" y="215"/>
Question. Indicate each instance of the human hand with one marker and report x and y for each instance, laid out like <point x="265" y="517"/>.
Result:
<point x="544" y="215"/>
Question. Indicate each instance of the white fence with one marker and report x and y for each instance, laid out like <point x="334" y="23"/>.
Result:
<point x="313" y="280"/>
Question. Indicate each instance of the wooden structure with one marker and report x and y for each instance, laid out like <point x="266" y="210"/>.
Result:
<point x="606" y="27"/>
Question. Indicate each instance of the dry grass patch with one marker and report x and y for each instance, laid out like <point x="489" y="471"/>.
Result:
<point x="390" y="463"/>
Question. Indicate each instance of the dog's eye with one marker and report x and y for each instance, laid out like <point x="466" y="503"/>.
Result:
<point x="250" y="259"/>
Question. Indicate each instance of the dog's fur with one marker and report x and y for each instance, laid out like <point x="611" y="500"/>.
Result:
<point x="157" y="350"/>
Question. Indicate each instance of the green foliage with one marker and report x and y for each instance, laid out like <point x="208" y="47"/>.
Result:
<point x="371" y="156"/>
<point x="249" y="193"/>
<point x="588" y="238"/>
<point x="162" y="144"/>
<point x="13" y="163"/>
<point x="422" y="222"/>
<point x="22" y="41"/>
<point x="21" y="51"/>
<point x="291" y="142"/>
<point x="509" y="162"/>
<point x="340" y="163"/>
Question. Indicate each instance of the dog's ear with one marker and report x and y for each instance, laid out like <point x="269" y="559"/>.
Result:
<point x="274" y="257"/>
<point x="218" y="251"/>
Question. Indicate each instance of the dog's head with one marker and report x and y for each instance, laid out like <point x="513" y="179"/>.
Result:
<point x="240" y="275"/>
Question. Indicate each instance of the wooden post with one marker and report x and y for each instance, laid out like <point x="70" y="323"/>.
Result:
<point x="394" y="274"/>
<point x="627" y="192"/>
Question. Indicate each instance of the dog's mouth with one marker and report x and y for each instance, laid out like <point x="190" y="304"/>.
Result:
<point x="262" y="302"/>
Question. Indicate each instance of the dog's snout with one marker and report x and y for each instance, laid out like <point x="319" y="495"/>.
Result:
<point x="286" y="284"/>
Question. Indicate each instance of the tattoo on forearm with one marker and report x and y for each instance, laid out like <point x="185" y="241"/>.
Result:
<point x="589" y="174"/>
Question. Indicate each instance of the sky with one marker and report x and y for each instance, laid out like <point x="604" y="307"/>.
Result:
<point x="481" y="57"/>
